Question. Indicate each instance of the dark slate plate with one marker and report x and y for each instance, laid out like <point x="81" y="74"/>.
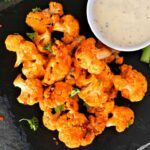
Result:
<point x="12" y="20"/>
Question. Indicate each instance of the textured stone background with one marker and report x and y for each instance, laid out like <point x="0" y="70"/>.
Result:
<point x="11" y="136"/>
<point x="7" y="3"/>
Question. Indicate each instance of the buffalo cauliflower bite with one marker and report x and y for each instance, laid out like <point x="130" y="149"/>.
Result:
<point x="59" y="64"/>
<point x="69" y="26"/>
<point x="107" y="54"/>
<point x="99" y="116"/>
<point x="39" y="21"/>
<point x="56" y="95"/>
<point x="56" y="8"/>
<point x="108" y="107"/>
<point x="76" y="42"/>
<point x="104" y="53"/>
<point x="31" y="90"/>
<point x="42" y="40"/>
<point x="122" y="118"/>
<point x="83" y="78"/>
<point x="87" y="59"/>
<point x="50" y="120"/>
<point x="25" y="50"/>
<point x="57" y="69"/>
<point x="106" y="77"/>
<point x="73" y="130"/>
<point x="97" y="120"/>
<point x="76" y="136"/>
<point x="74" y="76"/>
<point x="131" y="83"/>
<point x="59" y="48"/>
<point x="35" y="68"/>
<point x="95" y="92"/>
<point x="13" y="42"/>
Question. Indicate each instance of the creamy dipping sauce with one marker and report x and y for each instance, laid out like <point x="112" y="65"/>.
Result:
<point x="123" y="22"/>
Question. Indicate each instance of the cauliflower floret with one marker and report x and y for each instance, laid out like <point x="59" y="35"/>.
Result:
<point x="108" y="107"/>
<point x="74" y="76"/>
<point x="31" y="90"/>
<point x="95" y="92"/>
<point x="57" y="69"/>
<point x="59" y="48"/>
<point x="50" y="120"/>
<point x="35" y="68"/>
<point x="87" y="59"/>
<point x="71" y="119"/>
<point x="73" y="130"/>
<point x="56" y="8"/>
<point x="70" y="26"/>
<point x="13" y="42"/>
<point x="122" y="118"/>
<point x="99" y="116"/>
<point x="59" y="64"/>
<point x="106" y="77"/>
<point x="74" y="137"/>
<point x="56" y="95"/>
<point x="83" y="79"/>
<point x="76" y="42"/>
<point x="107" y="54"/>
<point x="39" y="21"/>
<point x="104" y="53"/>
<point x="131" y="83"/>
<point x="43" y="40"/>
<point x="25" y="50"/>
<point x="97" y="122"/>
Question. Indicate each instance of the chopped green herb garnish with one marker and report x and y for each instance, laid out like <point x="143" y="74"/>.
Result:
<point x="146" y="55"/>
<point x="48" y="47"/>
<point x="59" y="108"/>
<point x="32" y="35"/>
<point x="74" y="92"/>
<point x="36" y="9"/>
<point x="33" y="122"/>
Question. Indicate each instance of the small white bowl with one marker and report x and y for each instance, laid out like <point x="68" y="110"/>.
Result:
<point x="98" y="34"/>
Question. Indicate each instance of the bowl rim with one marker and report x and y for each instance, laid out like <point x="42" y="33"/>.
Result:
<point x="104" y="40"/>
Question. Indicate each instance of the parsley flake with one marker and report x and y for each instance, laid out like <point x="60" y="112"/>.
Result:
<point x="74" y="92"/>
<point x="33" y="123"/>
<point x="32" y="35"/>
<point x="48" y="47"/>
<point x="36" y="9"/>
<point x="59" y="108"/>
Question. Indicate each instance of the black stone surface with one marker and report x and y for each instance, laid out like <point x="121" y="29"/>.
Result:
<point x="14" y="136"/>
<point x="11" y="137"/>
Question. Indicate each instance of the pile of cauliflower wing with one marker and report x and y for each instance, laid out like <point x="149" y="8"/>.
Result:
<point x="58" y="74"/>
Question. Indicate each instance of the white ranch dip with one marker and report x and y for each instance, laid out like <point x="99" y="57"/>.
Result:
<point x="123" y="22"/>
